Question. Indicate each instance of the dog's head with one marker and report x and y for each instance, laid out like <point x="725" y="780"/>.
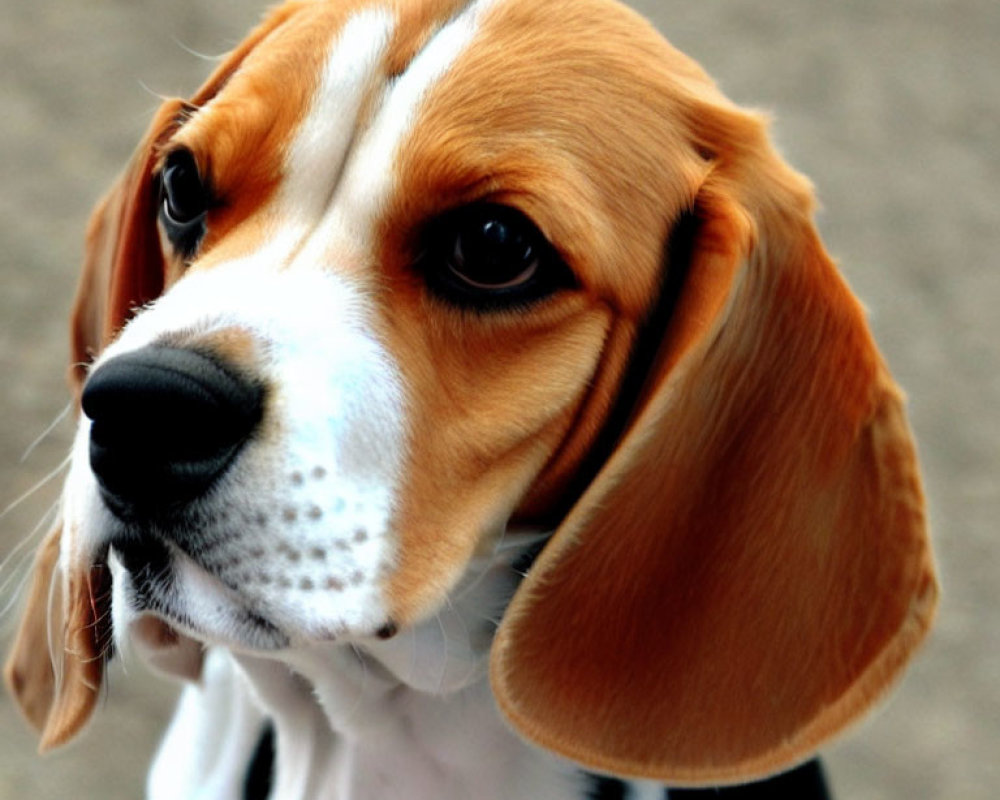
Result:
<point x="404" y="276"/>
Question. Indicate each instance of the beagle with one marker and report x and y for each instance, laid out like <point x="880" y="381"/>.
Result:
<point x="467" y="398"/>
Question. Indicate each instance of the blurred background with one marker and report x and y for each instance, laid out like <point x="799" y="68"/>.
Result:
<point x="892" y="108"/>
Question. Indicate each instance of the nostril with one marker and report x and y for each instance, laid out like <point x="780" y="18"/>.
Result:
<point x="166" y="422"/>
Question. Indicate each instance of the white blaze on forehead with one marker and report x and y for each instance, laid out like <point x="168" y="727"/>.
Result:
<point x="317" y="154"/>
<point x="369" y="173"/>
<point x="315" y="157"/>
<point x="370" y="170"/>
<point x="337" y="400"/>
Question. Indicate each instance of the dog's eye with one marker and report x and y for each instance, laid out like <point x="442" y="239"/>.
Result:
<point x="494" y="253"/>
<point x="184" y="201"/>
<point x="488" y="257"/>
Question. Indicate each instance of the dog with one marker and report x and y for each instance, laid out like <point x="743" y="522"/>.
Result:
<point x="469" y="408"/>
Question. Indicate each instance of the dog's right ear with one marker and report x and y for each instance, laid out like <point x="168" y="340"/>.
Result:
<point x="55" y="668"/>
<point x="123" y="265"/>
<point x="29" y="673"/>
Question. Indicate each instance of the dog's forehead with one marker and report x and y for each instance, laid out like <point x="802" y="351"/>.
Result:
<point x="401" y="110"/>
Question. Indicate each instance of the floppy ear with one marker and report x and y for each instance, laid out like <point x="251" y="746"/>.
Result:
<point x="56" y="665"/>
<point x="123" y="265"/>
<point x="750" y="570"/>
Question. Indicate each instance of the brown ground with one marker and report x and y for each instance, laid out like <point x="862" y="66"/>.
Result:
<point x="891" y="107"/>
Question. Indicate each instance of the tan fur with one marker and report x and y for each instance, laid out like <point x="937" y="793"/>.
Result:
<point x="605" y="193"/>
<point x="29" y="674"/>
<point x="754" y="556"/>
<point x="56" y="664"/>
<point x="750" y="571"/>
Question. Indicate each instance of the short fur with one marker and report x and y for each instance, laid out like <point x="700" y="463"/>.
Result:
<point x="748" y="571"/>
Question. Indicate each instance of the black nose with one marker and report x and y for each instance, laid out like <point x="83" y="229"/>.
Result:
<point x="166" y="423"/>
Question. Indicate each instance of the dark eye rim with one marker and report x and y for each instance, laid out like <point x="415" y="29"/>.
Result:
<point x="436" y="244"/>
<point x="185" y="235"/>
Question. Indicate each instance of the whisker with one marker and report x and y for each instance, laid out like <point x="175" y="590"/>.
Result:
<point x="487" y="565"/>
<point x="50" y="633"/>
<point x="16" y="594"/>
<point x="98" y="623"/>
<point x="49" y="516"/>
<point x="462" y="622"/>
<point x="37" y="487"/>
<point x="51" y="427"/>
<point x="146" y="88"/>
<point x="100" y="619"/>
<point x="195" y="53"/>
<point x="444" y="661"/>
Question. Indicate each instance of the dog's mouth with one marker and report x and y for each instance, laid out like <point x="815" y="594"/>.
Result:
<point x="155" y="586"/>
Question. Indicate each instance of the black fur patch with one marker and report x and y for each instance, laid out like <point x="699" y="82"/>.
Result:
<point x="601" y="788"/>
<point x="257" y="783"/>
<point x="803" y="783"/>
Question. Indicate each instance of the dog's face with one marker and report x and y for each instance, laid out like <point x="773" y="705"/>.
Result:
<point x="383" y="246"/>
<point x="397" y="260"/>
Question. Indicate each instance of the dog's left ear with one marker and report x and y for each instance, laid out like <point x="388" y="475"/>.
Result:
<point x="750" y="570"/>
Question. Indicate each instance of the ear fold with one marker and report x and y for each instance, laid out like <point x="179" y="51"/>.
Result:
<point x="56" y="665"/>
<point x="750" y="571"/>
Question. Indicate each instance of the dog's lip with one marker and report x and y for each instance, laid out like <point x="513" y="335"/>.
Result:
<point x="163" y="622"/>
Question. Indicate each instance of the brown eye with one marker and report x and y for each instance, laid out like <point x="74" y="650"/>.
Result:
<point x="490" y="256"/>
<point x="184" y="201"/>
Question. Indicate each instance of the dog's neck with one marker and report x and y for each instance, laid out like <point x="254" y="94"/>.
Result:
<point x="396" y="741"/>
<point x="412" y="716"/>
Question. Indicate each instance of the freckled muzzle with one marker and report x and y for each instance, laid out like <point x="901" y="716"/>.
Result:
<point x="167" y="422"/>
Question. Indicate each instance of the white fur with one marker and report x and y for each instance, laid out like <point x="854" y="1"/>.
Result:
<point x="300" y="522"/>
<point x="369" y="174"/>
<point x="215" y="729"/>
<point x="409" y="718"/>
<point x="302" y="515"/>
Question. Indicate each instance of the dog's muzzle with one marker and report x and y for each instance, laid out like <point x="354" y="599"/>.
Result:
<point x="167" y="422"/>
